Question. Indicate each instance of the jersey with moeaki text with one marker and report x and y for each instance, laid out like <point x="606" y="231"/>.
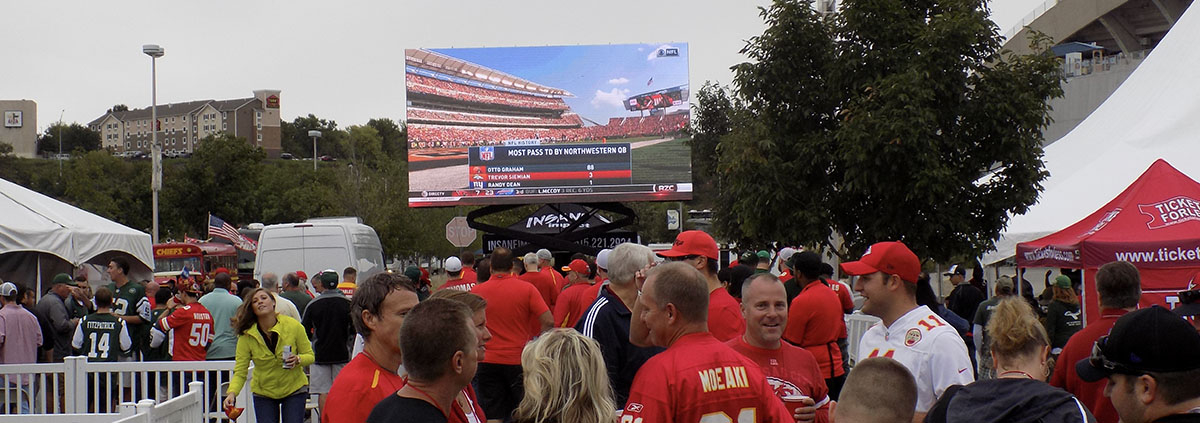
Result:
<point x="700" y="379"/>
<point x="193" y="331"/>
<point x="928" y="346"/>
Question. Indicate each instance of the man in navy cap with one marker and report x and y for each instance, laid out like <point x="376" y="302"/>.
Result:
<point x="1151" y="359"/>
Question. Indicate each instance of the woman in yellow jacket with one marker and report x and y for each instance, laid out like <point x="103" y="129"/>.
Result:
<point x="279" y="385"/>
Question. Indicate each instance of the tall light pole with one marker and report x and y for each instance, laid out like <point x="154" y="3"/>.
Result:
<point x="154" y="51"/>
<point x="314" y="134"/>
<point x="60" y="115"/>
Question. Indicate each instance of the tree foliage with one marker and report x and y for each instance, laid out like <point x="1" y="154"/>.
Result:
<point x="883" y="121"/>
<point x="118" y="108"/>
<point x="74" y="137"/>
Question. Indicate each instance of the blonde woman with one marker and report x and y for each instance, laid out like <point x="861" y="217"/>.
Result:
<point x="565" y="381"/>
<point x="279" y="385"/>
<point x="1019" y="349"/>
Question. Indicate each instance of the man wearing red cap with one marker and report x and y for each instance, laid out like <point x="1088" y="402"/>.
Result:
<point x="699" y="250"/>
<point x="192" y="324"/>
<point x="565" y="309"/>
<point x="913" y="335"/>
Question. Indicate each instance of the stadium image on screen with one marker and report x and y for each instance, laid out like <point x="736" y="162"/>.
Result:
<point x="515" y="125"/>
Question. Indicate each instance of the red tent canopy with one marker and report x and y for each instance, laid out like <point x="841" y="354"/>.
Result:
<point x="1154" y="224"/>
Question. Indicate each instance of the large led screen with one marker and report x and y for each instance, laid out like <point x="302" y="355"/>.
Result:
<point x="515" y="125"/>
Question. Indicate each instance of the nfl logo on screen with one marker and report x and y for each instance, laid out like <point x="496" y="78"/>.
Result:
<point x="487" y="153"/>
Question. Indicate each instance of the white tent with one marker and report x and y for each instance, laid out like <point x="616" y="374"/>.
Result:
<point x="1154" y="114"/>
<point x="41" y="236"/>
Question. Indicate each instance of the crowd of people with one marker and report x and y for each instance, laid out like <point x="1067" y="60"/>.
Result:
<point x="443" y="133"/>
<point x="636" y="335"/>
<point x="433" y="86"/>
<point x="560" y="120"/>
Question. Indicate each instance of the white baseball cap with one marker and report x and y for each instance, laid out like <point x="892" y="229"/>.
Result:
<point x="453" y="264"/>
<point x="8" y="289"/>
<point x="602" y="258"/>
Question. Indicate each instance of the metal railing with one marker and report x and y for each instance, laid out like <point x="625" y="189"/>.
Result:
<point x="76" y="387"/>
<point x="857" y="325"/>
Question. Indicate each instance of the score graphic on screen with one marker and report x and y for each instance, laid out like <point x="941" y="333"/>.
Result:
<point x="561" y="165"/>
<point x="516" y="125"/>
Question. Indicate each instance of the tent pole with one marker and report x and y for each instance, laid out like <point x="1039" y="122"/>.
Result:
<point x="39" y="277"/>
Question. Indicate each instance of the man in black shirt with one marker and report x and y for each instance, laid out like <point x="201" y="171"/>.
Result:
<point x="965" y="298"/>
<point x="327" y="320"/>
<point x="438" y="346"/>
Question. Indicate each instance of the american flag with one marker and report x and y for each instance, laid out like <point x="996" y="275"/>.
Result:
<point x="218" y="228"/>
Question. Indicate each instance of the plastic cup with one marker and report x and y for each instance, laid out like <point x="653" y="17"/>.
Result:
<point x="795" y="401"/>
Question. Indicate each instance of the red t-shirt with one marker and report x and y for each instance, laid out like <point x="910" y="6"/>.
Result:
<point x="785" y="276"/>
<point x="790" y="370"/>
<point x="362" y="384"/>
<point x="193" y="326"/>
<point x="725" y="319"/>
<point x="843" y="293"/>
<point x="566" y="310"/>
<point x="700" y="379"/>
<point x="560" y="281"/>
<point x="459" y="284"/>
<point x="468" y="274"/>
<point x="1079" y="347"/>
<point x="815" y="323"/>
<point x="544" y="284"/>
<point x="514" y="307"/>
<point x="588" y="297"/>
<point x="358" y="387"/>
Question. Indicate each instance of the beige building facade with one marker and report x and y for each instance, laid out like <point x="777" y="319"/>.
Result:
<point x="18" y="126"/>
<point x="183" y="125"/>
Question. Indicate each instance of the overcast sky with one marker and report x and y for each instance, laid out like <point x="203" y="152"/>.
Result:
<point x="337" y="60"/>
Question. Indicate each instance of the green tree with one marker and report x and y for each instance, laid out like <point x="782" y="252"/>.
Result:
<point x="74" y="137"/>
<point x="892" y="120"/>
<point x="118" y="108"/>
<point x="6" y="149"/>
<point x="295" y="137"/>
<point x="222" y="178"/>
<point x="110" y="187"/>
<point x="393" y="136"/>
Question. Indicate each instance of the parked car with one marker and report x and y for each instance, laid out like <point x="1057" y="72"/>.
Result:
<point x="328" y="158"/>
<point x="286" y="156"/>
<point x="317" y="244"/>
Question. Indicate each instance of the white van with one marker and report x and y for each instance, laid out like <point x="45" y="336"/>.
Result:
<point x="319" y="244"/>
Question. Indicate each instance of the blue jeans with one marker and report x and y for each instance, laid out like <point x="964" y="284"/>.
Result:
<point x="291" y="408"/>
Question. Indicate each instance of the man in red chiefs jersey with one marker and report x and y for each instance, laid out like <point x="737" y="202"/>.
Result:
<point x="193" y="324"/>
<point x="378" y="310"/>
<point x="565" y="310"/>
<point x="792" y="371"/>
<point x="815" y="320"/>
<point x="697" y="378"/>
<point x="699" y="250"/>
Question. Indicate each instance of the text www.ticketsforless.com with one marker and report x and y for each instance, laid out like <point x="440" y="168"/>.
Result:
<point x="1160" y="255"/>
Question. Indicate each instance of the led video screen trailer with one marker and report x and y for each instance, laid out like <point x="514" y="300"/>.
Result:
<point x="517" y="125"/>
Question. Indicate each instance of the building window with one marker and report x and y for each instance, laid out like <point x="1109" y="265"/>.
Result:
<point x="258" y="114"/>
<point x="224" y="115"/>
<point x="259" y="126"/>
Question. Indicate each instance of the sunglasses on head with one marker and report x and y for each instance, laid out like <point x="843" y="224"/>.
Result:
<point x="1098" y="359"/>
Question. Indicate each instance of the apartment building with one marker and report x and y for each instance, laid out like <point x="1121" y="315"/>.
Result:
<point x="183" y="125"/>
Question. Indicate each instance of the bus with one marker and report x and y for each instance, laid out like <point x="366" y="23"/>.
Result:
<point x="200" y="259"/>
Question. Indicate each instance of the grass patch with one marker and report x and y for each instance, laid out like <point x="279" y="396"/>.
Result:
<point x="669" y="161"/>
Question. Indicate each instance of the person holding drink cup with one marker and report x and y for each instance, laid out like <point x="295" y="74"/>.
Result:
<point x="280" y="350"/>
<point x="792" y="371"/>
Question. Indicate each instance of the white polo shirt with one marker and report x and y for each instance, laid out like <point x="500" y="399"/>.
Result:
<point x="928" y="346"/>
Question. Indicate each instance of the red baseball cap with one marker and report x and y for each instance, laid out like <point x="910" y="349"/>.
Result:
<point x="221" y="270"/>
<point x="692" y="243"/>
<point x="891" y="257"/>
<point x="302" y="276"/>
<point x="193" y="287"/>
<point x="580" y="266"/>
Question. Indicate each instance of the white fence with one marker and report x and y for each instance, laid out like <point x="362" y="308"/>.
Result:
<point x="83" y="392"/>
<point x="857" y="325"/>
<point x="186" y="408"/>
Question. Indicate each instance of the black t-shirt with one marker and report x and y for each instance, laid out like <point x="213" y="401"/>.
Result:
<point x="398" y="409"/>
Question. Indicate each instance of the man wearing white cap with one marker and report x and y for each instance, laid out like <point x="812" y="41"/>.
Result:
<point x="593" y="292"/>
<point x="546" y="264"/>
<point x="20" y="336"/>
<point x="454" y="276"/>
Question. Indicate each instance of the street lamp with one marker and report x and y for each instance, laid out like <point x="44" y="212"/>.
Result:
<point x="314" y="134"/>
<point x="154" y="51"/>
<point x="60" y="115"/>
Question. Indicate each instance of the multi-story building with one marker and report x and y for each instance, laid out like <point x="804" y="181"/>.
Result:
<point x="183" y="125"/>
<point x="18" y="126"/>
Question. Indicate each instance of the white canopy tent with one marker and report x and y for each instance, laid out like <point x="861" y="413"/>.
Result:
<point x="1154" y="114"/>
<point x="41" y="236"/>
